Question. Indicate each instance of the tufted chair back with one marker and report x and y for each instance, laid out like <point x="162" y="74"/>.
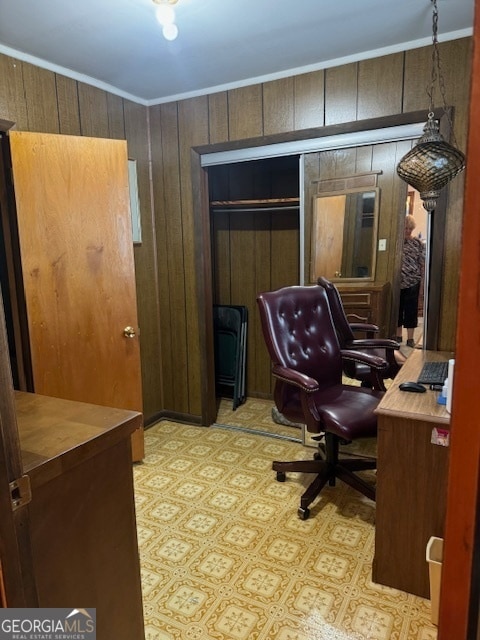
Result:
<point x="387" y="349"/>
<point x="299" y="332"/>
<point x="342" y="325"/>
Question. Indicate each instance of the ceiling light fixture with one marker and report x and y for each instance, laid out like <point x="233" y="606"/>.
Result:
<point x="165" y="15"/>
<point x="432" y="162"/>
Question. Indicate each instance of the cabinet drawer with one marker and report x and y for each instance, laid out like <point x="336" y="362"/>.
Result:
<point x="361" y="299"/>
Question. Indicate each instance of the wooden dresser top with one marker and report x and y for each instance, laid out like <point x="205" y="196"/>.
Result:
<point x="56" y="434"/>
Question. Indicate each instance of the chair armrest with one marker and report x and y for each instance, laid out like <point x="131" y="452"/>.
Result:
<point x="387" y="347"/>
<point x="364" y="326"/>
<point x="374" y="362"/>
<point x="378" y="365"/>
<point x="295" y="378"/>
<point x="373" y="343"/>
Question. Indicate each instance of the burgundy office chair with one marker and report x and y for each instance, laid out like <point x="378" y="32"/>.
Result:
<point x="384" y="348"/>
<point x="306" y="358"/>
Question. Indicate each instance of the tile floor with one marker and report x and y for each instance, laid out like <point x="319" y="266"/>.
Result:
<point x="225" y="557"/>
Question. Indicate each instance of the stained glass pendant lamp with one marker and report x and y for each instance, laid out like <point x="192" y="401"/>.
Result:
<point x="432" y="162"/>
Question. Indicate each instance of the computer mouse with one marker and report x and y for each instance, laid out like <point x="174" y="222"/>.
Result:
<point x="415" y="387"/>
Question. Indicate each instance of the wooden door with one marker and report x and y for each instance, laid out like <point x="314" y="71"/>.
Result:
<point x="76" y="249"/>
<point x="327" y="237"/>
<point x="459" y="597"/>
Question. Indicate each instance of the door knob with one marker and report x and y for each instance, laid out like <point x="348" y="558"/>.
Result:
<point x="129" y="332"/>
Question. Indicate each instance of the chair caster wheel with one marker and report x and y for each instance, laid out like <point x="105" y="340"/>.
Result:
<point x="281" y="476"/>
<point x="303" y="514"/>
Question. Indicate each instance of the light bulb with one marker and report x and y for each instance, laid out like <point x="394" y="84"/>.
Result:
<point x="170" y="31"/>
<point x="165" y="14"/>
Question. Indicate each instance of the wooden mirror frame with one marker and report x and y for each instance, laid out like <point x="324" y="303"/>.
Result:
<point x="319" y="229"/>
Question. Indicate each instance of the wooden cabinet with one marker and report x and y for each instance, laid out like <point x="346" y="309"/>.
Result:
<point x="412" y="472"/>
<point x="368" y="303"/>
<point x="83" y="537"/>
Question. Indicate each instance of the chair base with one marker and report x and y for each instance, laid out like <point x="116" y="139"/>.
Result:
<point x="327" y="470"/>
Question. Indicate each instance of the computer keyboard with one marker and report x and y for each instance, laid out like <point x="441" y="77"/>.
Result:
<point x="433" y="373"/>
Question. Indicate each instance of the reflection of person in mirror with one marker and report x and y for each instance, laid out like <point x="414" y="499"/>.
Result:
<point x="413" y="260"/>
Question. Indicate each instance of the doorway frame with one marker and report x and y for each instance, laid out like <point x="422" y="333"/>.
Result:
<point x="202" y="222"/>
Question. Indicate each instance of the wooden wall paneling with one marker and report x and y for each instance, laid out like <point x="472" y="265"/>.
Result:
<point x="193" y="131"/>
<point x="93" y="111"/>
<point x="458" y="93"/>
<point x="67" y="103"/>
<point x="116" y="116"/>
<point x="456" y="87"/>
<point x="218" y="117"/>
<point x="337" y="163"/>
<point x="363" y="159"/>
<point x="162" y="318"/>
<point x="383" y="159"/>
<point x="380" y="77"/>
<point x="13" y="106"/>
<point x="263" y="282"/>
<point x="135" y="124"/>
<point x="240" y="181"/>
<point x="309" y="102"/>
<point x="451" y="262"/>
<point x="341" y="94"/>
<point x="221" y="257"/>
<point x="417" y="77"/>
<point x="284" y="262"/>
<point x="285" y="254"/>
<point x="455" y="57"/>
<point x="219" y="182"/>
<point x="41" y="99"/>
<point x="311" y="164"/>
<point x="245" y="112"/>
<point x="278" y="106"/>
<point x="172" y="267"/>
<point x="243" y="268"/>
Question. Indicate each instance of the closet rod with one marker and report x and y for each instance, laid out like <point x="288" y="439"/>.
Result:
<point x="253" y="209"/>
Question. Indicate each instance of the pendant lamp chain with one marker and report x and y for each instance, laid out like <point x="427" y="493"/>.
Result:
<point x="437" y="75"/>
<point x="433" y="161"/>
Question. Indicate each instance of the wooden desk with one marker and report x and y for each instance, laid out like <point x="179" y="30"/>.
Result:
<point x="83" y="534"/>
<point x="411" y="480"/>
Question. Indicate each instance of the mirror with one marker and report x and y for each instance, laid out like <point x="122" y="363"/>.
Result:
<point x="344" y="234"/>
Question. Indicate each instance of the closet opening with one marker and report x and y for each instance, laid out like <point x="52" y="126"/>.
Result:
<point x="255" y="241"/>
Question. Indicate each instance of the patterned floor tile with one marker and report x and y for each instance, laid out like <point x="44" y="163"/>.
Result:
<point x="224" y="555"/>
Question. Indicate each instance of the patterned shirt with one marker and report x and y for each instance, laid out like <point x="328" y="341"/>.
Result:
<point x="412" y="262"/>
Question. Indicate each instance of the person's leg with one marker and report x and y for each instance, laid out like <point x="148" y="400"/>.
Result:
<point x="411" y="312"/>
<point x="401" y="309"/>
